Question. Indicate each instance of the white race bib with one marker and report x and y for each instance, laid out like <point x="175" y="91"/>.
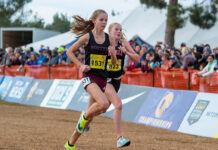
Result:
<point x="85" y="81"/>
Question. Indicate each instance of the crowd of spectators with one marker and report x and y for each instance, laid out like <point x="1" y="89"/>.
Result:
<point x="43" y="56"/>
<point x="199" y="57"/>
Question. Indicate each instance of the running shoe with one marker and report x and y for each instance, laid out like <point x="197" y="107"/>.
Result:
<point x="121" y="142"/>
<point x="68" y="147"/>
<point x="81" y="123"/>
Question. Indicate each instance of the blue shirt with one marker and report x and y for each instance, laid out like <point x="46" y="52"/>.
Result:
<point x="41" y="59"/>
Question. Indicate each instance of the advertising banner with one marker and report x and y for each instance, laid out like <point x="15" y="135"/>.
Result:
<point x="165" y="108"/>
<point x="37" y="92"/>
<point x="60" y="94"/>
<point x="1" y="78"/>
<point x="132" y="98"/>
<point x="19" y="89"/>
<point x="5" y="86"/>
<point x="202" y="117"/>
<point x="80" y="100"/>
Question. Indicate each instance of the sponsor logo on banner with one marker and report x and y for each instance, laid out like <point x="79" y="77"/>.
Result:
<point x="18" y="89"/>
<point x="197" y="111"/>
<point x="32" y="90"/>
<point x="126" y="100"/>
<point x="8" y="86"/>
<point x="202" y="117"/>
<point x="164" y="104"/>
<point x="165" y="109"/>
<point x="60" y="94"/>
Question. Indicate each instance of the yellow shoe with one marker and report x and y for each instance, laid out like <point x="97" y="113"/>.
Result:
<point x="81" y="123"/>
<point x="68" y="147"/>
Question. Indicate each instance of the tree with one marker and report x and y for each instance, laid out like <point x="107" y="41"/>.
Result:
<point x="60" y="23"/>
<point x="8" y="9"/>
<point x="200" y="14"/>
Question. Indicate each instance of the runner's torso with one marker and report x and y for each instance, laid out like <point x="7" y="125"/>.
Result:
<point x="96" y="56"/>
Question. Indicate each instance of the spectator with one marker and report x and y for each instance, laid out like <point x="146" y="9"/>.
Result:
<point x="1" y="54"/>
<point x="157" y="47"/>
<point x="138" y="49"/>
<point x="185" y="50"/>
<point x="81" y="55"/>
<point x="207" y="51"/>
<point x="216" y="66"/>
<point x="14" y="60"/>
<point x="62" y="55"/>
<point x="174" y="63"/>
<point x="54" y="58"/>
<point x="198" y="60"/>
<point x="6" y="57"/>
<point x="165" y="63"/>
<point x="144" y="64"/>
<point x="42" y="58"/>
<point x="26" y="55"/>
<point x="182" y="46"/>
<point x="209" y="69"/>
<point x="142" y="55"/>
<point x="154" y="61"/>
<point x="188" y="61"/>
<point x="33" y="60"/>
<point x="178" y="55"/>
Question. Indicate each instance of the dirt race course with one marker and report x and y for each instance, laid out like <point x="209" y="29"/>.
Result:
<point x="35" y="128"/>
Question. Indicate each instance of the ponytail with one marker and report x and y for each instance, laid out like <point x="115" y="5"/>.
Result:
<point x="81" y="26"/>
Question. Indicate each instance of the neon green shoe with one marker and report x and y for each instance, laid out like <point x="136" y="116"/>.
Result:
<point x="81" y="123"/>
<point x="68" y="147"/>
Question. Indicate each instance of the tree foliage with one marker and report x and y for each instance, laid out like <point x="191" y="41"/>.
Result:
<point x="203" y="16"/>
<point x="60" y="23"/>
<point x="155" y="3"/>
<point x="8" y="9"/>
<point x="200" y="14"/>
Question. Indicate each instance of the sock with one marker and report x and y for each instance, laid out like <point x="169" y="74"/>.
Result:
<point x="70" y="144"/>
<point x="119" y="137"/>
<point x="84" y="117"/>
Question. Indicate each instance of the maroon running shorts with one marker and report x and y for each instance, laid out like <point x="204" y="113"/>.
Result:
<point x="90" y="78"/>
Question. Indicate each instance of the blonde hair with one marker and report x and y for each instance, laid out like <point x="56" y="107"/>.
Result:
<point x="123" y="37"/>
<point x="185" y="50"/>
<point x="82" y="26"/>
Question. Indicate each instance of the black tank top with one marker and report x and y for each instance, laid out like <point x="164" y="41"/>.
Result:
<point x="117" y="70"/>
<point x="96" y="56"/>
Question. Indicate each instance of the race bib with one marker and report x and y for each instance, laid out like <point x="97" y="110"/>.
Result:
<point x="85" y="81"/>
<point x="97" y="61"/>
<point x="116" y="67"/>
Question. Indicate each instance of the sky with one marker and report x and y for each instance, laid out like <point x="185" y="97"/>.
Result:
<point x="47" y="8"/>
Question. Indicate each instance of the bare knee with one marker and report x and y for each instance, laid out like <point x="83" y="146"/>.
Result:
<point x="104" y="106"/>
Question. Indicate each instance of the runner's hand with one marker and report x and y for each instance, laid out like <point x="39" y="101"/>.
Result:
<point x="111" y="50"/>
<point x="85" y="68"/>
<point x="123" y="49"/>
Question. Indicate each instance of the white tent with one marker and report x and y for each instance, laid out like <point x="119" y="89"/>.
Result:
<point x="55" y="41"/>
<point x="150" y="25"/>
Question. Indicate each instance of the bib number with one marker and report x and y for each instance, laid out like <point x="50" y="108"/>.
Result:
<point x="116" y="67"/>
<point x="85" y="81"/>
<point x="97" y="61"/>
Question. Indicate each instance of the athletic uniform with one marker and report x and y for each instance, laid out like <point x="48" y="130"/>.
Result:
<point x="115" y="71"/>
<point x="96" y="58"/>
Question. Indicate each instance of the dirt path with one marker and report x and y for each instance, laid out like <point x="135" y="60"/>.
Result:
<point x="35" y="128"/>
